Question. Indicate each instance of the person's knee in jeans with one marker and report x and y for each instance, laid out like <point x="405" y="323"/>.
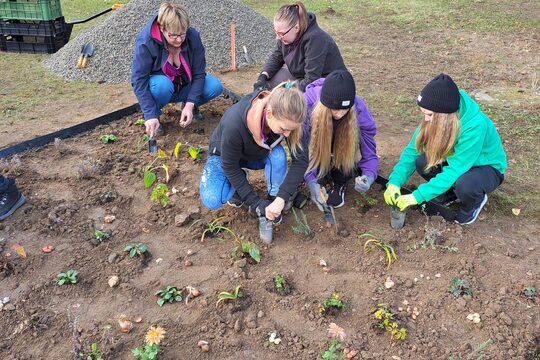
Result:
<point x="212" y="88"/>
<point x="214" y="187"/>
<point x="161" y="89"/>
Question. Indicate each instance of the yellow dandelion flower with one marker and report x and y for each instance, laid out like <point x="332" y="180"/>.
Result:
<point x="155" y="335"/>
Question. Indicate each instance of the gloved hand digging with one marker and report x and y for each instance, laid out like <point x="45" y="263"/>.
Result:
<point x="363" y="183"/>
<point x="391" y="194"/>
<point x="315" y="193"/>
<point x="404" y="201"/>
<point x="261" y="84"/>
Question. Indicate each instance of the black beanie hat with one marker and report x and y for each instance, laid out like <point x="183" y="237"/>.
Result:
<point x="440" y="95"/>
<point x="338" y="90"/>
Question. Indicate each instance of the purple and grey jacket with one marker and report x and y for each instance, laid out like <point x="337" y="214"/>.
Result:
<point x="369" y="162"/>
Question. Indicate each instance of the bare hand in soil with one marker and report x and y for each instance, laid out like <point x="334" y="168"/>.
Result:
<point x="151" y="126"/>
<point x="187" y="115"/>
<point x="274" y="209"/>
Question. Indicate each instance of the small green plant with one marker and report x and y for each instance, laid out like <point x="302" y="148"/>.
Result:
<point x="149" y="174"/>
<point x="302" y="226"/>
<point x="248" y="248"/>
<point x="195" y="153"/>
<point x="108" y="138"/>
<point x="386" y="322"/>
<point x="365" y="200"/>
<point x="460" y="287"/>
<point x="333" y="302"/>
<point x="529" y="292"/>
<point x="177" y="149"/>
<point x="168" y="295"/>
<point x="380" y="243"/>
<point x="146" y="352"/>
<point x="140" y="145"/>
<point x="214" y="227"/>
<point x="139" y="122"/>
<point x="101" y="235"/>
<point x="280" y="285"/>
<point x="68" y="277"/>
<point x="94" y="353"/>
<point x="159" y="194"/>
<point x="230" y="296"/>
<point x="136" y="249"/>
<point x="334" y="351"/>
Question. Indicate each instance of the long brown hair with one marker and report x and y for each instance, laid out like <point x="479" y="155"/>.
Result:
<point x="436" y="138"/>
<point x="288" y="103"/>
<point x="292" y="14"/>
<point x="346" y="149"/>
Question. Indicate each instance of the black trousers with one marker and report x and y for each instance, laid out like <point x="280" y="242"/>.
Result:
<point x="470" y="187"/>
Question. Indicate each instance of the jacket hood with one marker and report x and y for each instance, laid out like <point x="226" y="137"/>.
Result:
<point x="468" y="109"/>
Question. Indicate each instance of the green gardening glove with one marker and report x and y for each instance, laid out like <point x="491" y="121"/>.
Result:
<point x="404" y="201"/>
<point x="391" y="193"/>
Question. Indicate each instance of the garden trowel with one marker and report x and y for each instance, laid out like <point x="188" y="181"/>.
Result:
<point x="86" y="52"/>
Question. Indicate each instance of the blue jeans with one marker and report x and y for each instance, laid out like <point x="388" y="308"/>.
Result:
<point x="162" y="90"/>
<point x="215" y="189"/>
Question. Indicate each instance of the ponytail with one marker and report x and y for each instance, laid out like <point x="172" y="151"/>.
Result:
<point x="292" y="14"/>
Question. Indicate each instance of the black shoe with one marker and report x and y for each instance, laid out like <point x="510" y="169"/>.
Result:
<point x="10" y="200"/>
<point x="336" y="197"/>
<point x="466" y="218"/>
<point x="235" y="201"/>
<point x="197" y="115"/>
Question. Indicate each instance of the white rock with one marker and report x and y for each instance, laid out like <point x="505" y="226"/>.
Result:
<point x="470" y="317"/>
<point x="277" y="341"/>
<point x="437" y="275"/>
<point x="5" y="300"/>
<point x="388" y="283"/>
<point x="113" y="281"/>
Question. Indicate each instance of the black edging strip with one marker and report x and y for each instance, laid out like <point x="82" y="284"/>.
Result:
<point x="85" y="126"/>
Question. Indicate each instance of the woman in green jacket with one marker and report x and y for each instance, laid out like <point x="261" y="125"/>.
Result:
<point x="456" y="149"/>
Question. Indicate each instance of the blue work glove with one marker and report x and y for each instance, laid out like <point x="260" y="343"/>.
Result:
<point x="363" y="183"/>
<point x="404" y="201"/>
<point x="315" y="192"/>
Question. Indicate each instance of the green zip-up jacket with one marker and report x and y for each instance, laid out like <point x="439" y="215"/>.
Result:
<point x="477" y="144"/>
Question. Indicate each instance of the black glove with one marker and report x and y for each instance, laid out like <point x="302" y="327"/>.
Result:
<point x="261" y="84"/>
<point x="260" y="208"/>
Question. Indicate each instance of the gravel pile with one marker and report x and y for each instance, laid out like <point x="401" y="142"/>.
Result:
<point x="114" y="39"/>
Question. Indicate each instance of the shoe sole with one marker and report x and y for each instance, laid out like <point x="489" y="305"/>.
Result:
<point x="475" y="216"/>
<point x="17" y="205"/>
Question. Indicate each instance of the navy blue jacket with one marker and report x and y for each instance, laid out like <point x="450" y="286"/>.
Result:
<point x="151" y="54"/>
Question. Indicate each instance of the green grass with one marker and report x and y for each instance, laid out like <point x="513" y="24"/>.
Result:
<point x="82" y="9"/>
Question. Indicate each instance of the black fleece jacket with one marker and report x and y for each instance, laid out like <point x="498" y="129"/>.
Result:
<point x="233" y="141"/>
<point x="313" y="56"/>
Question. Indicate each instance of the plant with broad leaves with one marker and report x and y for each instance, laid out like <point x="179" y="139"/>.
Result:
<point x="177" y="149"/>
<point x="195" y="153"/>
<point x="280" y="284"/>
<point x="149" y="175"/>
<point x="248" y="248"/>
<point x="169" y="295"/>
<point x="139" y="122"/>
<point x="146" y="352"/>
<point x="136" y="249"/>
<point x="68" y="277"/>
<point x="108" y="138"/>
<point x="234" y="295"/>
<point x="101" y="235"/>
<point x="333" y="352"/>
<point x="332" y="302"/>
<point x="159" y="194"/>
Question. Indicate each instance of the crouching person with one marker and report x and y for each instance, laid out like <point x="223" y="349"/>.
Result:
<point x="456" y="148"/>
<point x="341" y="136"/>
<point x="249" y="136"/>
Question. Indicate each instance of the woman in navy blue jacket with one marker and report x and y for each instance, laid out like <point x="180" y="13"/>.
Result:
<point x="169" y="65"/>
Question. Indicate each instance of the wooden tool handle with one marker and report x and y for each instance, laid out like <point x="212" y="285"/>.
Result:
<point x="80" y="61"/>
<point x="83" y="64"/>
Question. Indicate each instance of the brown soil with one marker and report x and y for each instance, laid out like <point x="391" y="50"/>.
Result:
<point x="64" y="211"/>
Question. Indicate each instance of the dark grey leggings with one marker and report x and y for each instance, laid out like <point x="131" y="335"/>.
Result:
<point x="469" y="187"/>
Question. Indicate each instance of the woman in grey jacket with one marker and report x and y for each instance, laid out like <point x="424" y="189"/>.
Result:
<point x="308" y="52"/>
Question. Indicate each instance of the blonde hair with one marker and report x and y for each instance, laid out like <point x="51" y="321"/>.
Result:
<point x="173" y="18"/>
<point x="346" y="147"/>
<point x="288" y="103"/>
<point x="292" y="14"/>
<point x="436" y="138"/>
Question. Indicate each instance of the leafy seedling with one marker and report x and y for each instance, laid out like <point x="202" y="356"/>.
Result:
<point x="214" y="227"/>
<point x="365" y="200"/>
<point x="280" y="285"/>
<point x="195" y="153"/>
<point x="101" y="235"/>
<point x="460" y="287"/>
<point x="529" y="293"/>
<point x="143" y="143"/>
<point x="168" y="295"/>
<point x="245" y="247"/>
<point x="146" y="352"/>
<point x="177" y="149"/>
<point x="386" y="322"/>
<point x="136" y="249"/>
<point x="380" y="243"/>
<point x="333" y="303"/>
<point x="230" y="296"/>
<point x="334" y="351"/>
<point x="302" y="226"/>
<point x="94" y="353"/>
<point x="139" y="122"/>
<point x="108" y="138"/>
<point x="159" y="194"/>
<point x="68" y="277"/>
<point x="149" y="175"/>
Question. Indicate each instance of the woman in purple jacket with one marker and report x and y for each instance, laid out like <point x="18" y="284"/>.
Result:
<point x="342" y="145"/>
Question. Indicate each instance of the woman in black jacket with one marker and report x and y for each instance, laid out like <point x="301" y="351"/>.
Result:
<point x="249" y="136"/>
<point x="308" y="52"/>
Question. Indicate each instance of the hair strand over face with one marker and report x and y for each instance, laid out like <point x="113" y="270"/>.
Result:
<point x="436" y="138"/>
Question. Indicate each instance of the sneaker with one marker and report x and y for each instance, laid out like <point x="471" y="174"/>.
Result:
<point x="336" y="197"/>
<point x="10" y="200"/>
<point x="197" y="115"/>
<point x="235" y="201"/>
<point x="446" y="198"/>
<point x="466" y="218"/>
